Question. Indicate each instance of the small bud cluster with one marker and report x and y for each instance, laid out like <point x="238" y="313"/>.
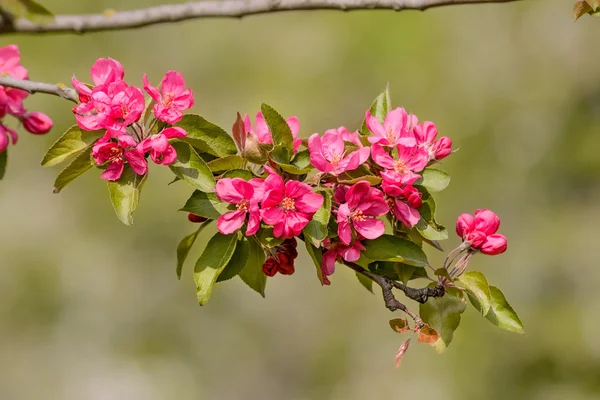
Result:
<point x="11" y="100"/>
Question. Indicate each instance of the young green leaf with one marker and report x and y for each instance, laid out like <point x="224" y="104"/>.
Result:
<point x="238" y="260"/>
<point x="218" y="252"/>
<point x="435" y="180"/>
<point x="252" y="274"/>
<point x="225" y="163"/>
<point x="392" y="248"/>
<point x="76" y="168"/>
<point x="125" y="194"/>
<point x="191" y="168"/>
<point x="281" y="134"/>
<point x="184" y="247"/>
<point x="206" y="136"/>
<point x="379" y="109"/>
<point x="316" y="255"/>
<point x="206" y="205"/>
<point x="73" y="141"/>
<point x="316" y="230"/>
<point x="365" y="282"/>
<point x="3" y="161"/>
<point x="478" y="290"/>
<point x="238" y="173"/>
<point x="502" y="314"/>
<point x="443" y="315"/>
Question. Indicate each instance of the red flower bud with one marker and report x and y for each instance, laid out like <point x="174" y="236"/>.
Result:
<point x="196" y="218"/>
<point x="37" y="123"/>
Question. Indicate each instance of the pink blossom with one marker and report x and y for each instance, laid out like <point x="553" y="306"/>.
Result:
<point x="11" y="101"/>
<point x="396" y="128"/>
<point x="263" y="134"/>
<point x="426" y="134"/>
<point x="404" y="202"/>
<point x="5" y="133"/>
<point x="119" y="105"/>
<point x="173" y="99"/>
<point x="106" y="150"/>
<point x="288" y="206"/>
<point x="161" y="151"/>
<point x="363" y="204"/>
<point x="10" y="62"/>
<point x="401" y="170"/>
<point x="334" y="253"/>
<point x="479" y="232"/>
<point x="37" y="122"/>
<point x="328" y="154"/>
<point x="103" y="72"/>
<point x="245" y="195"/>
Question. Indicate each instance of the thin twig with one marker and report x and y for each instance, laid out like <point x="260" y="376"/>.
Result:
<point x="40" y="87"/>
<point x="169" y="13"/>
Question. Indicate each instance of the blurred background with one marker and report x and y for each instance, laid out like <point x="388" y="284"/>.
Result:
<point x="91" y="309"/>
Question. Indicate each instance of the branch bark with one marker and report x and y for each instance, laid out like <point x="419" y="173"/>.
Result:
<point x="392" y="304"/>
<point x="211" y="9"/>
<point x="40" y="87"/>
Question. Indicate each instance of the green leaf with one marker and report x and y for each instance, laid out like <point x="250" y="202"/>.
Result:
<point x="435" y="180"/>
<point x="184" y="247"/>
<point x="443" y="315"/>
<point x="316" y="254"/>
<point x="365" y="282"/>
<point x="392" y="248"/>
<point x="379" y="109"/>
<point x="3" y="161"/>
<point x="125" y="194"/>
<point x="281" y="134"/>
<point x="216" y="255"/>
<point x="238" y="260"/>
<point x="238" y="173"/>
<point x="226" y="163"/>
<point x="265" y="236"/>
<point x="404" y="271"/>
<point x="502" y="314"/>
<point x="478" y="290"/>
<point x="292" y="169"/>
<point x="384" y="268"/>
<point x="207" y="136"/>
<point x="76" y="168"/>
<point x="191" y="168"/>
<point x="372" y="179"/>
<point x="206" y="205"/>
<point x="316" y="230"/>
<point x="427" y="227"/>
<point x="27" y="9"/>
<point x="252" y="274"/>
<point x="73" y="141"/>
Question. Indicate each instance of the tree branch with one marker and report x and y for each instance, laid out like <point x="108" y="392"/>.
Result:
<point x="40" y="87"/>
<point x="419" y="295"/>
<point x="210" y="9"/>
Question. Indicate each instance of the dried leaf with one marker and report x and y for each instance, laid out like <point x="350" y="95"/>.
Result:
<point x="580" y="8"/>
<point x="401" y="351"/>
<point x="239" y="133"/>
<point x="399" y="325"/>
<point x="428" y="335"/>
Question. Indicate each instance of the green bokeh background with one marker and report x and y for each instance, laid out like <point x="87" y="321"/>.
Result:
<point x="91" y="309"/>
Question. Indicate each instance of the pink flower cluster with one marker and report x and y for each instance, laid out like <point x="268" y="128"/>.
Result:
<point x="479" y="232"/>
<point x="11" y="100"/>
<point x="116" y="107"/>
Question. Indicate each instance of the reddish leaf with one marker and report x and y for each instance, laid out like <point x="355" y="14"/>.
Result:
<point x="239" y="133"/>
<point x="401" y="351"/>
<point x="399" y="325"/>
<point x="580" y="8"/>
<point x="428" y="335"/>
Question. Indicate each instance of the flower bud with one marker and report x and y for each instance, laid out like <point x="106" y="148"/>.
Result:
<point x="442" y="147"/>
<point x="256" y="152"/>
<point x="37" y="123"/>
<point x="196" y="218"/>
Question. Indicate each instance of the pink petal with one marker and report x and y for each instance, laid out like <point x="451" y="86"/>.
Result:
<point x="272" y="216"/>
<point x="172" y="83"/>
<point x="262" y="129"/>
<point x="151" y="90"/>
<point x="231" y="222"/>
<point x="357" y="193"/>
<point x="113" y="171"/>
<point x="169" y="156"/>
<point x="494" y="244"/>
<point x="294" y="125"/>
<point x="352" y="253"/>
<point x="106" y="70"/>
<point x="227" y="192"/>
<point x="174" y="132"/>
<point x="406" y="214"/>
<point x="294" y="189"/>
<point x="395" y="122"/>
<point x="243" y="187"/>
<point x="309" y="203"/>
<point x="465" y="224"/>
<point x="381" y="156"/>
<point x="486" y="221"/>
<point x="370" y="228"/>
<point x="136" y="161"/>
<point x="333" y="144"/>
<point x="344" y="231"/>
<point x="253" y="221"/>
<point x="184" y="101"/>
<point x="259" y="188"/>
<point x="3" y="141"/>
<point x="374" y="126"/>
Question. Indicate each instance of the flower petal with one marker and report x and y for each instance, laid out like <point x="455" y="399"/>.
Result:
<point x="231" y="221"/>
